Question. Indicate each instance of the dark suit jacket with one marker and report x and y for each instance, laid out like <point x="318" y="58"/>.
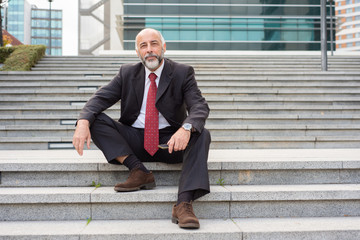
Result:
<point x="178" y="97"/>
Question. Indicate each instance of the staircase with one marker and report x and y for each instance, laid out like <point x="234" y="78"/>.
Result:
<point x="284" y="162"/>
<point x="255" y="194"/>
<point x="256" y="101"/>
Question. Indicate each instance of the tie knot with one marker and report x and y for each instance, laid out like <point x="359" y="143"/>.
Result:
<point x="152" y="77"/>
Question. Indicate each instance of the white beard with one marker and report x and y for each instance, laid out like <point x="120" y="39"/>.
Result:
<point x="152" y="64"/>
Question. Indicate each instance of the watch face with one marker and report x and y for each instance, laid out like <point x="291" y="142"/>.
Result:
<point x="187" y="126"/>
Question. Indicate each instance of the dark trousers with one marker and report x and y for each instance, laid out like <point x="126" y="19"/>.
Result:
<point x="115" y="139"/>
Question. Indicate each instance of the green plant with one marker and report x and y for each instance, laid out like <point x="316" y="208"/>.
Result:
<point x="24" y="57"/>
<point x="5" y="53"/>
<point x="96" y="185"/>
<point x="221" y="182"/>
<point x="88" y="220"/>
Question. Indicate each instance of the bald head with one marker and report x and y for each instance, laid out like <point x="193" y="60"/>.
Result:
<point x="147" y="32"/>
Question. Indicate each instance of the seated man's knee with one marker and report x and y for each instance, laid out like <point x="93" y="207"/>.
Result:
<point x="206" y="135"/>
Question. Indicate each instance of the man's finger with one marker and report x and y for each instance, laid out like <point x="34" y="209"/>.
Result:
<point x="171" y="145"/>
<point x="88" y="141"/>
<point x="80" y="148"/>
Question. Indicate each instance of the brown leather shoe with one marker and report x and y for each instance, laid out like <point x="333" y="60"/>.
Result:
<point x="137" y="180"/>
<point x="183" y="214"/>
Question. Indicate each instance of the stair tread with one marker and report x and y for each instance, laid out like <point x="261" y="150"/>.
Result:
<point x="257" y="228"/>
<point x="211" y="116"/>
<point x="253" y="193"/>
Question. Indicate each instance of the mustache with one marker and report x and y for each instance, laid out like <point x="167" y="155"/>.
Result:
<point x="151" y="55"/>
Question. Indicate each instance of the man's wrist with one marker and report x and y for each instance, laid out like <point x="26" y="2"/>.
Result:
<point x="187" y="126"/>
<point x="83" y="122"/>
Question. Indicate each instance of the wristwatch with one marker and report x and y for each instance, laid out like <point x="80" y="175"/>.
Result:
<point x="187" y="126"/>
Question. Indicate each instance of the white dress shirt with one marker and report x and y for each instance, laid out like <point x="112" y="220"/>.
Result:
<point x="140" y="121"/>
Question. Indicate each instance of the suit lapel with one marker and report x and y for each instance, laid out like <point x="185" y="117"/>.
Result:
<point x="139" y="85"/>
<point x="165" y="79"/>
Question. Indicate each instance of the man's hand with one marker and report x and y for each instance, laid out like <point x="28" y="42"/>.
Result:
<point x="179" y="140"/>
<point x="81" y="135"/>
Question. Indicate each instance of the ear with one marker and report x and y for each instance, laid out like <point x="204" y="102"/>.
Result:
<point x="137" y="53"/>
<point x="164" y="47"/>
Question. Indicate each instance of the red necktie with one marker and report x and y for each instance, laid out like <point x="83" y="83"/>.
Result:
<point x="151" y="132"/>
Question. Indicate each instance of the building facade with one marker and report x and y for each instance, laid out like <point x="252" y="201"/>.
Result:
<point x="18" y="16"/>
<point x="226" y="24"/>
<point x="31" y="25"/>
<point x="348" y="25"/>
<point x="203" y="24"/>
<point x="41" y="32"/>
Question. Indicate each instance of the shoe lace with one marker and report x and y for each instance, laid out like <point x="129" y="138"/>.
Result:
<point x="188" y="208"/>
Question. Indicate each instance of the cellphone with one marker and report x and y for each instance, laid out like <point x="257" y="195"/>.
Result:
<point x="163" y="146"/>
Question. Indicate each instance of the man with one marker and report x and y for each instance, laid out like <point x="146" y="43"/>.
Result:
<point x="160" y="104"/>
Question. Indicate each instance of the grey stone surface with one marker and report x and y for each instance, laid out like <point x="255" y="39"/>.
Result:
<point x="45" y="195"/>
<point x="295" y="192"/>
<point x="350" y="176"/>
<point x="108" y="195"/>
<point x="44" y="212"/>
<point x="42" y="230"/>
<point x="351" y="164"/>
<point x="32" y="165"/>
<point x="155" y="210"/>
<point x="287" y="177"/>
<point x="263" y="163"/>
<point x="251" y="229"/>
<point x="84" y="179"/>
<point x="245" y="166"/>
<point x="160" y="229"/>
<point x="300" y="228"/>
<point x="158" y="194"/>
<point x="274" y="209"/>
<point x="49" y="179"/>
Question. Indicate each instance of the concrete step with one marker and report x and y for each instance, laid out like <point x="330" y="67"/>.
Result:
<point x="222" y="119"/>
<point x="216" y="130"/>
<point x="218" y="142"/>
<point x="202" y="64"/>
<point x="202" y="60"/>
<point x="214" y="54"/>
<point x="256" y="86"/>
<point x="211" y="229"/>
<point x="65" y="168"/>
<point x="251" y="201"/>
<point x="75" y="108"/>
<point x="91" y="73"/>
<point x="288" y="142"/>
<point x="238" y="68"/>
<point x="85" y="76"/>
<point x="219" y="99"/>
<point x="229" y="90"/>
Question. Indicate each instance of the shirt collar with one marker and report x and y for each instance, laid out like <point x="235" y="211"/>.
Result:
<point x="157" y="71"/>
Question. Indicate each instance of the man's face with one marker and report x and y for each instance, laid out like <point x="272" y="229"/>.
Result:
<point x="150" y="49"/>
